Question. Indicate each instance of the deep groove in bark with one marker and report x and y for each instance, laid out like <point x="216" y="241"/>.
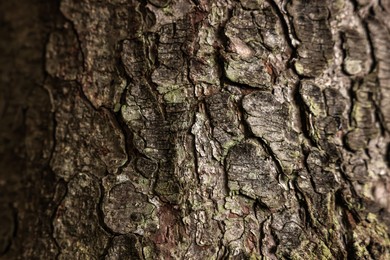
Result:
<point x="179" y="182"/>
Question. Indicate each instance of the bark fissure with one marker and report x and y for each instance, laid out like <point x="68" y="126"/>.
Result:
<point x="188" y="129"/>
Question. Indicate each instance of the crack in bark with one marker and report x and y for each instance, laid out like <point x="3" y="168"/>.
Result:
<point x="308" y="201"/>
<point x="100" y="211"/>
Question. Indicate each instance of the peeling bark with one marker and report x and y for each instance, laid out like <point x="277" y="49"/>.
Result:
<point x="178" y="129"/>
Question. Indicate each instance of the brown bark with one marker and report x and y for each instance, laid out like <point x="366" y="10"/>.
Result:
<point x="212" y="129"/>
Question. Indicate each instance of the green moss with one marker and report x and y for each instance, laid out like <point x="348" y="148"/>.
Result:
<point x="229" y="144"/>
<point x="167" y="10"/>
<point x="312" y="251"/>
<point x="233" y="193"/>
<point x="148" y="252"/>
<point x="175" y="96"/>
<point x="299" y="68"/>
<point x="129" y="114"/>
<point x="254" y="256"/>
<point x="117" y="107"/>
<point x="353" y="66"/>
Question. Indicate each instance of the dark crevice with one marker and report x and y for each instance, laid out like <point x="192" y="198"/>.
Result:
<point x="127" y="134"/>
<point x="128" y="138"/>
<point x="352" y="98"/>
<point x="303" y="115"/>
<point x="100" y="212"/>
<point x="303" y="200"/>
<point x="195" y="2"/>
<point x="387" y="155"/>
<point x="258" y="205"/>
<point x="306" y="155"/>
<point x="247" y="130"/>
<point x="374" y="62"/>
<point x="343" y="38"/>
<point x="223" y="45"/>
<point x="198" y="104"/>
<point x="247" y="197"/>
<point x="355" y="5"/>
<point x="349" y="220"/>
<point x="107" y="248"/>
<point x="289" y="25"/>
<point x="286" y="31"/>
<point x="152" y="87"/>
<point x="132" y="152"/>
<point x="274" y="248"/>
<point x="225" y="172"/>
<point x="261" y="232"/>
<point x="268" y="149"/>
<point x="245" y="88"/>
<point x="248" y="133"/>
<point x="224" y="80"/>
<point x="196" y="156"/>
<point x="379" y="117"/>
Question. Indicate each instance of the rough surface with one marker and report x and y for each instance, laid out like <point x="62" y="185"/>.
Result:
<point x="253" y="173"/>
<point x="87" y="140"/>
<point x="79" y="208"/>
<point x="125" y="247"/>
<point x="180" y="129"/>
<point x="310" y="20"/>
<point x="273" y="130"/>
<point x="125" y="209"/>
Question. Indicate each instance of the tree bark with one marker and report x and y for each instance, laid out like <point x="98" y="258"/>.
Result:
<point x="210" y="129"/>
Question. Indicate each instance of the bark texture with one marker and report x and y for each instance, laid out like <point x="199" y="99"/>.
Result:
<point x="204" y="129"/>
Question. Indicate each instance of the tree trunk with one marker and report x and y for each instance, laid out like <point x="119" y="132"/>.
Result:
<point x="210" y="129"/>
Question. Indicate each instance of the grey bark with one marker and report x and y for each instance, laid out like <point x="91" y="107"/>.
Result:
<point x="212" y="129"/>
